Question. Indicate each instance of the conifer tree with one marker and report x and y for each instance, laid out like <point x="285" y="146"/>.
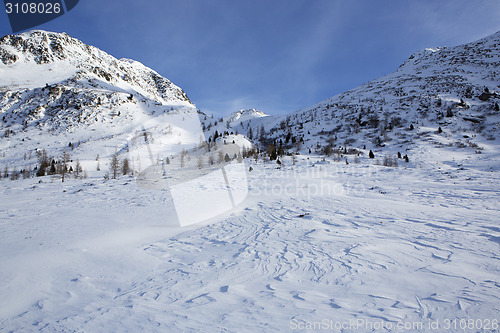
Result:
<point x="281" y="151"/>
<point x="262" y="134"/>
<point x="125" y="166"/>
<point x="114" y="164"/>
<point x="183" y="156"/>
<point x="43" y="162"/>
<point x="52" y="170"/>
<point x="273" y="155"/>
<point x="78" y="169"/>
<point x="65" y="158"/>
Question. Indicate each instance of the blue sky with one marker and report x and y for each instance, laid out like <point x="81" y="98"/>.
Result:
<point x="276" y="55"/>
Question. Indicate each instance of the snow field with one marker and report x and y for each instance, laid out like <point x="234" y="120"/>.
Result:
<point x="396" y="245"/>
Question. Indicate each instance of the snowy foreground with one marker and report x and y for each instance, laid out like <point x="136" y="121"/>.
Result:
<point x="319" y="245"/>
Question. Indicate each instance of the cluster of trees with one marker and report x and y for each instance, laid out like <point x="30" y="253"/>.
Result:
<point x="216" y="135"/>
<point x="118" y="167"/>
<point x="15" y="174"/>
<point x="390" y="160"/>
<point x="330" y="150"/>
<point x="64" y="166"/>
<point x="208" y="159"/>
<point x="209" y="126"/>
<point x="48" y="166"/>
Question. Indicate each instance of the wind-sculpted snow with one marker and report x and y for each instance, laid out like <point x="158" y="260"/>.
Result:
<point x="313" y="242"/>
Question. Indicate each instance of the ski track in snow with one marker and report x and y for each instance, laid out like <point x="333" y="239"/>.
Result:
<point x="413" y="246"/>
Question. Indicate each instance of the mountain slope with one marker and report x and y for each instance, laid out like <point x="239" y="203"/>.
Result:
<point x="456" y="89"/>
<point x="235" y="122"/>
<point x="56" y="91"/>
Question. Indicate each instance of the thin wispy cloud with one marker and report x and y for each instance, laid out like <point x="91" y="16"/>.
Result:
<point x="456" y="22"/>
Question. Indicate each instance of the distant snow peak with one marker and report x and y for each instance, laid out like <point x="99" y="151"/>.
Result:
<point x="244" y="115"/>
<point x="249" y="112"/>
<point x="433" y="49"/>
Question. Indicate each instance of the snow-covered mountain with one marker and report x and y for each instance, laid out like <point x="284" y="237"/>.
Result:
<point x="442" y="97"/>
<point x="56" y="91"/>
<point x="234" y="122"/>
<point x="74" y="59"/>
<point x="243" y="115"/>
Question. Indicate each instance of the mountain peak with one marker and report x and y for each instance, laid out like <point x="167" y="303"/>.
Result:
<point x="40" y="46"/>
<point x="457" y="58"/>
<point x="243" y="115"/>
<point x="38" y="58"/>
<point x="52" y="80"/>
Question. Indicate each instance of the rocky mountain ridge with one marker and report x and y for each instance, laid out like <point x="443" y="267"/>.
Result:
<point x="52" y="79"/>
